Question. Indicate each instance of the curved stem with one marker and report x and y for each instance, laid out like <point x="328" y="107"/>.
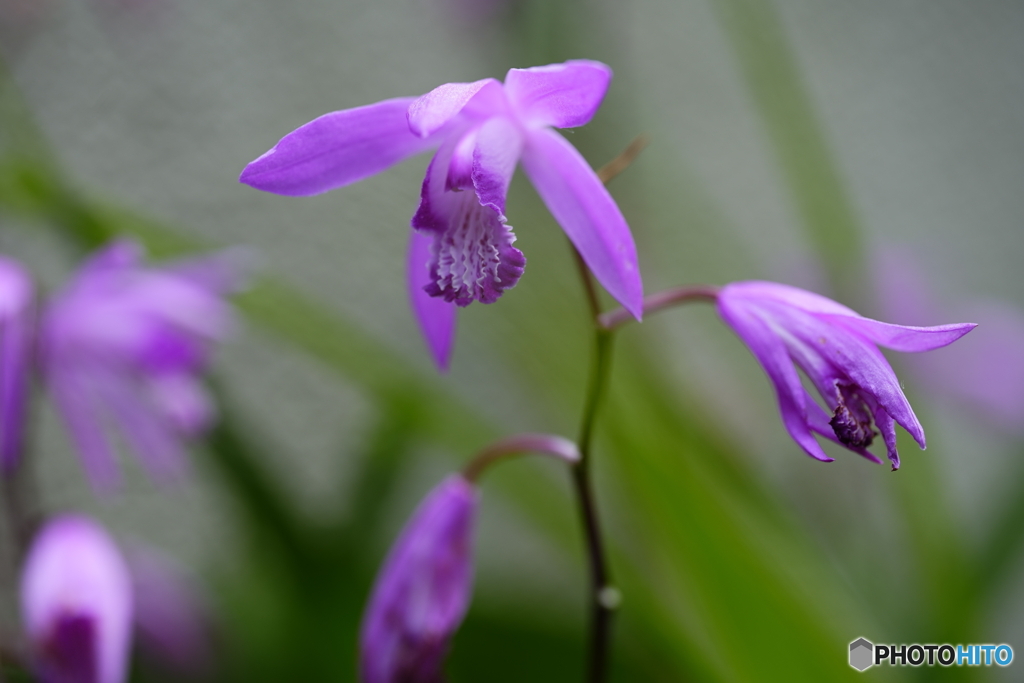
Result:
<point x="546" y="444"/>
<point x="660" y="301"/>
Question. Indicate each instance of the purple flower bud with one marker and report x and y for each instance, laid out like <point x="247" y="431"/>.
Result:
<point x="788" y="328"/>
<point x="16" y="314"/>
<point x="423" y="590"/>
<point x="123" y="346"/>
<point x="76" y="603"/>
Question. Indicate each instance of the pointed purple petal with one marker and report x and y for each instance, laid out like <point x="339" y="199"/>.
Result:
<point x="763" y="290"/>
<point x="902" y="337"/>
<point x="337" y="149"/>
<point x="429" y="113"/>
<point x="588" y="214"/>
<point x="560" y="95"/>
<point x="888" y="430"/>
<point x="771" y="353"/>
<point x="436" y="317"/>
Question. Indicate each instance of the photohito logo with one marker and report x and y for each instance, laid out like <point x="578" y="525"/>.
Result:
<point x="865" y="654"/>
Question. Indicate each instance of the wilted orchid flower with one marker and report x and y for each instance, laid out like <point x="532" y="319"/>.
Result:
<point x="122" y="348"/>
<point x="76" y="603"/>
<point x="422" y="591"/>
<point x="461" y="247"/>
<point x="786" y="328"/>
<point x="16" y="313"/>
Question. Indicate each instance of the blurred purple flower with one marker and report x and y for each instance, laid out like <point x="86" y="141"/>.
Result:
<point x="422" y="591"/>
<point x="76" y="603"/>
<point x="123" y="346"/>
<point x="785" y="328"/>
<point x="462" y="245"/>
<point x="16" y="320"/>
<point x="172" y="619"/>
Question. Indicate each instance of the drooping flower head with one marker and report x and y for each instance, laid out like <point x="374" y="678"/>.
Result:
<point x="422" y="591"/>
<point x="462" y="246"/>
<point x="123" y="346"/>
<point x="16" y="319"/>
<point x="788" y="328"/>
<point x="76" y="604"/>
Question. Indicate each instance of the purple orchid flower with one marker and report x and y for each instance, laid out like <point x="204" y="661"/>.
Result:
<point x="76" y="602"/>
<point x="422" y="591"/>
<point x="837" y="349"/>
<point x="123" y="346"/>
<point x="462" y="245"/>
<point x="16" y="319"/>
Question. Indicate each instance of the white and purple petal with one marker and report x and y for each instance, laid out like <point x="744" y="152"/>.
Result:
<point x="561" y="95"/>
<point x="428" y="114"/>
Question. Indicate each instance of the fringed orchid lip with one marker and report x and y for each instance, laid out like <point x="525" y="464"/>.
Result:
<point x="481" y="130"/>
<point x="788" y="328"/>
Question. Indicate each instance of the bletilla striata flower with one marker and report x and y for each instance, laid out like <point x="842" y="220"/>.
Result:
<point x="16" y="320"/>
<point x="122" y="348"/>
<point x="462" y="246"/>
<point x="788" y="328"/>
<point x="422" y="591"/>
<point x="76" y="604"/>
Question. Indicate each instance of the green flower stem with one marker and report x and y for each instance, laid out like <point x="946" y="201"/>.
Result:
<point x="603" y="597"/>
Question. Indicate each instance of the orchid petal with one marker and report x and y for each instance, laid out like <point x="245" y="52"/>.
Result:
<point x="902" y="337"/>
<point x="76" y="401"/>
<point x="587" y="213"/>
<point x="771" y="353"/>
<point x="436" y="317"/>
<point x="498" y="146"/>
<point x="560" y="95"/>
<point x="429" y="113"/>
<point x="791" y="297"/>
<point x="337" y="149"/>
<point x="851" y="356"/>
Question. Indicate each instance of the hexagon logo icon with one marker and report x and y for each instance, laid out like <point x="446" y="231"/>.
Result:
<point x="861" y="651"/>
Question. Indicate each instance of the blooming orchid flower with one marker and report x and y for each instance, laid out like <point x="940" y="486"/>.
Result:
<point x="123" y="346"/>
<point x="461" y="246"/>
<point x="76" y="600"/>
<point x="423" y="590"/>
<point x="16" y="313"/>
<point x="786" y="328"/>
